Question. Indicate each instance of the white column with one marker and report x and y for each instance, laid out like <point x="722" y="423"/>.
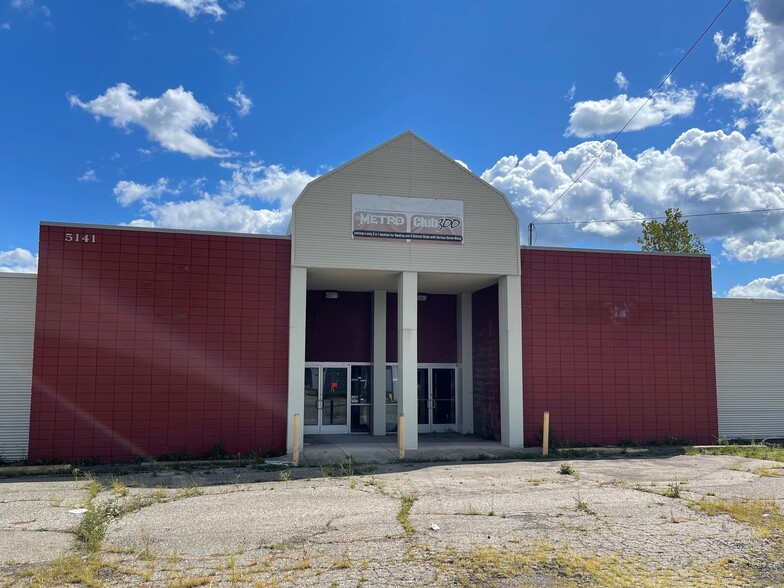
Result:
<point x="379" y="362"/>
<point x="511" y="360"/>
<point x="464" y="329"/>
<point x="407" y="356"/>
<point x="297" y="299"/>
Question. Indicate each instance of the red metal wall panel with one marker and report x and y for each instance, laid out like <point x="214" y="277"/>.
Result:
<point x="151" y="342"/>
<point x="618" y="346"/>
<point x="436" y="329"/>
<point x="339" y="329"/>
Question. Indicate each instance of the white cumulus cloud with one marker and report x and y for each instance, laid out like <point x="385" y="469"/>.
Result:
<point x="772" y="287"/>
<point x="256" y="199"/>
<point x="215" y="213"/>
<point x="193" y="8"/>
<point x="169" y="119"/>
<point x="743" y="250"/>
<point x="591" y="118"/>
<point x="127" y="192"/>
<point x="18" y="260"/>
<point x="621" y="81"/>
<point x="242" y="104"/>
<point x="701" y="172"/>
<point x="761" y="87"/>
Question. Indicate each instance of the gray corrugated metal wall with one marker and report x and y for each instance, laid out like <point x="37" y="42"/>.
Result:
<point x="17" y="327"/>
<point x="749" y="338"/>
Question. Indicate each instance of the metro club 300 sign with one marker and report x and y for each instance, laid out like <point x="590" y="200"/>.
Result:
<point x="401" y="217"/>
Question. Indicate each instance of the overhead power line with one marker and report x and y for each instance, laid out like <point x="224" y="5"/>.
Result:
<point x="650" y="218"/>
<point x="643" y="105"/>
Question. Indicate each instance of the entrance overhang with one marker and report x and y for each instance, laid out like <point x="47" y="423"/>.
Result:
<point x="368" y="280"/>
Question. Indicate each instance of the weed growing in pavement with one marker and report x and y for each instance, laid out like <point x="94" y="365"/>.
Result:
<point x="303" y="563"/>
<point x="471" y="510"/>
<point x="192" y="582"/>
<point x="407" y="501"/>
<point x="119" y="488"/>
<point x="94" y="487"/>
<point x="565" y="469"/>
<point x="344" y="563"/>
<point x="673" y="490"/>
<point x="582" y="506"/>
<point x="189" y="492"/>
<point x="92" y="527"/>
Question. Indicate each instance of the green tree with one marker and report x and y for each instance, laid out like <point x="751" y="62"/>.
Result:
<point x="670" y="236"/>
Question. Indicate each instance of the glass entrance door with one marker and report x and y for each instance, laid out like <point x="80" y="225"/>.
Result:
<point x="326" y="400"/>
<point x="436" y="392"/>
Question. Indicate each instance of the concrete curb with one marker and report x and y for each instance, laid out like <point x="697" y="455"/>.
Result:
<point x="35" y="469"/>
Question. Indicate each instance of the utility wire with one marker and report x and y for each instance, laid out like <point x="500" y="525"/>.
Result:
<point x="649" y="218"/>
<point x="647" y="100"/>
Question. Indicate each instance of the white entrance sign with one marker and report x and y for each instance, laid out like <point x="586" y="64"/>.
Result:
<point x="401" y="217"/>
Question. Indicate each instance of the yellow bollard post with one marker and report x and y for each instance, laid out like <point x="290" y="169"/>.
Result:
<point x="401" y="437"/>
<point x="295" y="449"/>
<point x="546" y="434"/>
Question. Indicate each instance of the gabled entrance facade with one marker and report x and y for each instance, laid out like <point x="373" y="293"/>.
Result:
<point x="397" y="241"/>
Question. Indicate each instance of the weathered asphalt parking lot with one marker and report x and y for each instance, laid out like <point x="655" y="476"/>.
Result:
<point x="680" y="520"/>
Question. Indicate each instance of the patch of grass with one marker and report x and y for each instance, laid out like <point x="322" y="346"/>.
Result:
<point x="302" y="563"/>
<point x="544" y="564"/>
<point x="582" y="506"/>
<point x="189" y="492"/>
<point x="763" y="515"/>
<point x="188" y="582"/>
<point x="673" y="490"/>
<point x="471" y="511"/>
<point x="92" y="527"/>
<point x="566" y="469"/>
<point x="119" y="488"/>
<point x="234" y="575"/>
<point x="344" y="563"/>
<point x="66" y="569"/>
<point x="758" y="451"/>
<point x="94" y="487"/>
<point x="769" y="472"/>
<point x="407" y="501"/>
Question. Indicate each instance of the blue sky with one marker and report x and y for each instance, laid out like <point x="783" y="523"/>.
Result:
<point x="213" y="114"/>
